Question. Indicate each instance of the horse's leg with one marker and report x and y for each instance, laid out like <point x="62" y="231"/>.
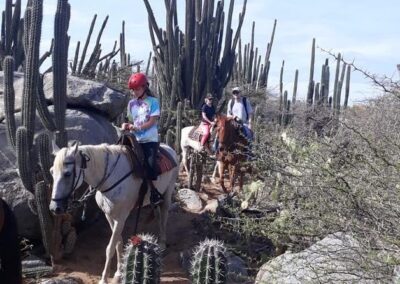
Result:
<point x="241" y="177"/>
<point x="185" y="159"/>
<point x="232" y="176"/>
<point x="215" y="171"/>
<point x="116" y="228"/>
<point x="221" y="175"/>
<point x="163" y="213"/>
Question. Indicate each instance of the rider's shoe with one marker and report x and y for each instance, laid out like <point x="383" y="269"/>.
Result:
<point x="155" y="197"/>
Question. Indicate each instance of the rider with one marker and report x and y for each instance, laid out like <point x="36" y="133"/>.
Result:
<point x="207" y="121"/>
<point x="143" y="113"/>
<point x="240" y="109"/>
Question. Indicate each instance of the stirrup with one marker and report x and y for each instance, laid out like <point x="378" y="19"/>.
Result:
<point x="155" y="197"/>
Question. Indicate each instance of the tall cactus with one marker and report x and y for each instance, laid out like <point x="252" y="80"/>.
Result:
<point x="24" y="158"/>
<point x="60" y="68"/>
<point x="9" y="98"/>
<point x="178" y="130"/>
<point x="209" y="263"/>
<point x="45" y="160"/>
<point x="45" y="218"/>
<point x="142" y="261"/>
<point x="31" y="75"/>
<point x="11" y="33"/>
<point x="203" y="54"/>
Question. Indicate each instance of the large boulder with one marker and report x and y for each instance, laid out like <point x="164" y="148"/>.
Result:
<point x="90" y="95"/>
<point x="338" y="258"/>
<point x="18" y="88"/>
<point x="189" y="199"/>
<point x="85" y="94"/>
<point x="84" y="126"/>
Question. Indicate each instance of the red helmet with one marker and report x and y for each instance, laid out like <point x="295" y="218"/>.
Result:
<point x="137" y="80"/>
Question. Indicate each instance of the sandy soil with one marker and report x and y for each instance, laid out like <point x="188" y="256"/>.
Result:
<point x="87" y="260"/>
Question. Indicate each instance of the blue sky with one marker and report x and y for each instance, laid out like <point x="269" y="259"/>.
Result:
<point x="364" y="31"/>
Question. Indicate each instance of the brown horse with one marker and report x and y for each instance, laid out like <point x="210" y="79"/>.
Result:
<point x="232" y="150"/>
<point x="10" y="260"/>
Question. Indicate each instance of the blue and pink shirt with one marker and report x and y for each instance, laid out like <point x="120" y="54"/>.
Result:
<point x="139" y="112"/>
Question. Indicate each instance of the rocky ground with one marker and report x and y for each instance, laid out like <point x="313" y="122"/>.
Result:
<point x="86" y="263"/>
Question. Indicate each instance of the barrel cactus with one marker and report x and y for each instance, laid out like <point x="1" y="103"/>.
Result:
<point x="142" y="260"/>
<point x="209" y="263"/>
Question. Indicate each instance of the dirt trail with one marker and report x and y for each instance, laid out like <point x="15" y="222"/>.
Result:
<point x="87" y="260"/>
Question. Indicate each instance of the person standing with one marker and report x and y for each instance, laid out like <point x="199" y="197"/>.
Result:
<point x="143" y="113"/>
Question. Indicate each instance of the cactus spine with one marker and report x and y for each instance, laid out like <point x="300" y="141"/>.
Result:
<point x="209" y="263"/>
<point x="142" y="261"/>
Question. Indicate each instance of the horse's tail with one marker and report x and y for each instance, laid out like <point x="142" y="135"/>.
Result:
<point x="10" y="269"/>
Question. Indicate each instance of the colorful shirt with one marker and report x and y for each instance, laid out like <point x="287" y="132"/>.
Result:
<point x="139" y="112"/>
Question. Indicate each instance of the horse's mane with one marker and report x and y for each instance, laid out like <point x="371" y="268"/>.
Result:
<point x="231" y="131"/>
<point x="95" y="153"/>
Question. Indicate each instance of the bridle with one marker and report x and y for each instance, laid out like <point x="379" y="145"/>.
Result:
<point x="84" y="159"/>
<point x="91" y="189"/>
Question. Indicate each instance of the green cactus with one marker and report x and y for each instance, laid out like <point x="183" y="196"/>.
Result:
<point x="209" y="263"/>
<point x="347" y="87"/>
<point x="43" y="142"/>
<point x="45" y="218"/>
<point x="311" y="83"/>
<point x="43" y="111"/>
<point x="178" y="129"/>
<point x="31" y="75"/>
<point x="169" y="138"/>
<point x="142" y="260"/>
<point x="24" y="158"/>
<point x="9" y="98"/>
<point x="60" y="69"/>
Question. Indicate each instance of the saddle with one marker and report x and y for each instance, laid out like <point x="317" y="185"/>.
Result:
<point x="165" y="161"/>
<point x="196" y="133"/>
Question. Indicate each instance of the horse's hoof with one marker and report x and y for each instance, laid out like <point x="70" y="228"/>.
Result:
<point x="103" y="281"/>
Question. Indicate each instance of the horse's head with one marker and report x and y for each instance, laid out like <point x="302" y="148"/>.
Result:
<point x="68" y="174"/>
<point x="226" y="131"/>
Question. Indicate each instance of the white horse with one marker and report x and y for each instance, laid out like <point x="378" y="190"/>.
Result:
<point x="104" y="167"/>
<point x="186" y="144"/>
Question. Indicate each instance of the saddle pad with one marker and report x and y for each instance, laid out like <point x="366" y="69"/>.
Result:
<point x="196" y="133"/>
<point x="165" y="161"/>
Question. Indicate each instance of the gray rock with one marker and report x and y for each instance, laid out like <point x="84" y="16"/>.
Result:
<point x="189" y="199"/>
<point x="90" y="95"/>
<point x="86" y="127"/>
<point x="237" y="268"/>
<point x="18" y="87"/>
<point x="335" y="259"/>
<point x="65" y="280"/>
<point x="86" y="94"/>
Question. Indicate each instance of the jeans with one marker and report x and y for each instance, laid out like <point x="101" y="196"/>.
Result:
<point x="247" y="132"/>
<point x="150" y="150"/>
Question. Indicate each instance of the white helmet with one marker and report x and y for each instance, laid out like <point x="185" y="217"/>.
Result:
<point x="236" y="89"/>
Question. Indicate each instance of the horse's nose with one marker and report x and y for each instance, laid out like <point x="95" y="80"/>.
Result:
<point x="55" y="208"/>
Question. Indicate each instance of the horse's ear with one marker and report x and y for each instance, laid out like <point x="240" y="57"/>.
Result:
<point x="75" y="146"/>
<point x="56" y="149"/>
